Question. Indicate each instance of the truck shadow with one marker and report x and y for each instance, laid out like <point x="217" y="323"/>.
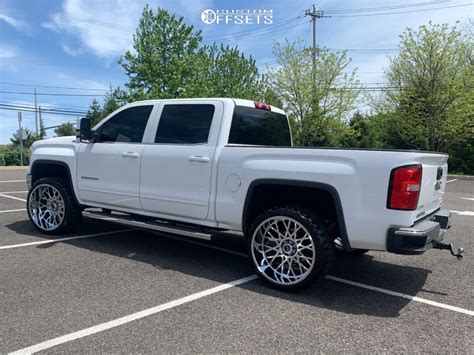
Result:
<point x="174" y="254"/>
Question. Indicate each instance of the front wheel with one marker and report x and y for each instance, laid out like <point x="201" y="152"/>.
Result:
<point x="290" y="247"/>
<point x="51" y="206"/>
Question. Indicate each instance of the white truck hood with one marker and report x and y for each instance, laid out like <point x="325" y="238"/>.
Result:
<point x="54" y="141"/>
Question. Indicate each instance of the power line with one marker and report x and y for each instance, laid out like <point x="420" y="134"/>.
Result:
<point x="253" y="30"/>
<point x="43" y="109"/>
<point x="51" y="87"/>
<point x="401" y="12"/>
<point x="267" y="31"/>
<point x="33" y="62"/>
<point x="384" y="8"/>
<point x="50" y="113"/>
<point x="48" y="94"/>
<point x="77" y="20"/>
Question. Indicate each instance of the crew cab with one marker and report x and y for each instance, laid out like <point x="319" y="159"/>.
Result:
<point x="197" y="167"/>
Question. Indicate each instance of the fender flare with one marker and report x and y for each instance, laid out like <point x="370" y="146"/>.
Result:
<point x="299" y="183"/>
<point x="60" y="163"/>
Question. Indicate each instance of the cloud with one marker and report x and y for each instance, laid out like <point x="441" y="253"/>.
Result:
<point x="8" y="52"/>
<point x="106" y="28"/>
<point x="15" y="23"/>
<point x="72" y="51"/>
<point x="8" y="57"/>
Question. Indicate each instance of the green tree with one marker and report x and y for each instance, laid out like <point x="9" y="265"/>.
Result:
<point x="317" y="97"/>
<point x="225" y="72"/>
<point x="65" y="129"/>
<point x="94" y="113"/>
<point x="162" y="63"/>
<point x="114" y="99"/>
<point x="168" y="62"/>
<point x="429" y="85"/>
<point x="360" y="133"/>
<point x="10" y="155"/>
<point x="30" y="138"/>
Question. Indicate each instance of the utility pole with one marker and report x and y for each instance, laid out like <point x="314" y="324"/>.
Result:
<point x="314" y="14"/>
<point x="36" y="114"/>
<point x="40" y="122"/>
<point x="20" y="134"/>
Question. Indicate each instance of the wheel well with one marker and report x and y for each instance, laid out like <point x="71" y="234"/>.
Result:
<point x="320" y="198"/>
<point x="41" y="170"/>
<point x="48" y="168"/>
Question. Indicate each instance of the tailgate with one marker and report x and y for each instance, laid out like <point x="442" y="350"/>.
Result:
<point x="433" y="183"/>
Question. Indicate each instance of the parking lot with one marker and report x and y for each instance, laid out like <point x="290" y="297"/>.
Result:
<point x="108" y="288"/>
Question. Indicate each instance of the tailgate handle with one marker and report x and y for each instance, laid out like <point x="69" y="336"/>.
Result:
<point x="439" y="173"/>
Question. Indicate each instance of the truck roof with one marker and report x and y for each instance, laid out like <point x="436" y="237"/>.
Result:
<point x="237" y="102"/>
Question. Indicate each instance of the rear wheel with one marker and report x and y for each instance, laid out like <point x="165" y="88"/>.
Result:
<point x="51" y="206"/>
<point x="290" y="247"/>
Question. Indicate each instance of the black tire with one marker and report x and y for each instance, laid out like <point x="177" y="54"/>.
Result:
<point x="72" y="211"/>
<point x="314" y="231"/>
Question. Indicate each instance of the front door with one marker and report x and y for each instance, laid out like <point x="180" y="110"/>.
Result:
<point x="109" y="169"/>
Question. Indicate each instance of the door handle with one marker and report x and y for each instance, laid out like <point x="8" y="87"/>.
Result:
<point x="199" y="159"/>
<point x="130" y="155"/>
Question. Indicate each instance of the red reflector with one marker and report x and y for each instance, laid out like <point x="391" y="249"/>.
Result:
<point x="262" y="106"/>
<point x="404" y="187"/>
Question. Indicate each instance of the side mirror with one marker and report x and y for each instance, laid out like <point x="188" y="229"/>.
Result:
<point x="84" y="132"/>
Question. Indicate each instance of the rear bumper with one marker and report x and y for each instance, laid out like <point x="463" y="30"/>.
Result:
<point x="420" y="237"/>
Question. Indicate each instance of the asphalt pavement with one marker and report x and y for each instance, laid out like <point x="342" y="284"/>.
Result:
<point x="108" y="288"/>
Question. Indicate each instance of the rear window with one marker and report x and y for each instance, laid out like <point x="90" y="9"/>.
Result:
<point x="259" y="127"/>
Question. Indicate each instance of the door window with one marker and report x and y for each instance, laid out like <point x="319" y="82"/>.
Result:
<point x="127" y="126"/>
<point x="185" y="124"/>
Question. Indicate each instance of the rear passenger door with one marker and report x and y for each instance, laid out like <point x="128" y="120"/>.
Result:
<point x="177" y="165"/>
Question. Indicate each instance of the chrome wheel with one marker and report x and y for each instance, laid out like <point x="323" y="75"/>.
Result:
<point x="283" y="250"/>
<point x="46" y="207"/>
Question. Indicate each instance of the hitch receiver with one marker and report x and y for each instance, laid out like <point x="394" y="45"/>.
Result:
<point x="440" y="245"/>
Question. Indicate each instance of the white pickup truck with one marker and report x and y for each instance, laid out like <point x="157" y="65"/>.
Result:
<point x="197" y="167"/>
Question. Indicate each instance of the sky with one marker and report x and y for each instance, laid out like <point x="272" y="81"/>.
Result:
<point x="69" y="49"/>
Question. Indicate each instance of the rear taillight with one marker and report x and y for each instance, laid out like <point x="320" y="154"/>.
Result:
<point x="262" y="106"/>
<point x="404" y="187"/>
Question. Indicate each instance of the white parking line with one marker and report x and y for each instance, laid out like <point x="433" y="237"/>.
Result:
<point x="467" y="198"/>
<point x="353" y="283"/>
<point x="453" y="180"/>
<point x="172" y="304"/>
<point x="13" y="181"/>
<point x="13" y="198"/>
<point x="132" y="317"/>
<point x="17" y="210"/>
<point x="402" y="295"/>
<point x="49" y="241"/>
<point x="464" y="213"/>
<point x="13" y="192"/>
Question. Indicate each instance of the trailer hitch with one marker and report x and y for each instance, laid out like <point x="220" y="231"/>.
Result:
<point x="440" y="245"/>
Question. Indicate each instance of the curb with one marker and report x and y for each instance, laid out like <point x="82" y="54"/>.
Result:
<point x="461" y="177"/>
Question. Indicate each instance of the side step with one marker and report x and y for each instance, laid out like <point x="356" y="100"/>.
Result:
<point x="155" y="225"/>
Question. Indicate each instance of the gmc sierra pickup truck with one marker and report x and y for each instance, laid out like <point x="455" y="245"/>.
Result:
<point x="197" y="167"/>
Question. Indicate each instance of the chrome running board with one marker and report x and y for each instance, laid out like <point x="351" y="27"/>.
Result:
<point x="159" y="226"/>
